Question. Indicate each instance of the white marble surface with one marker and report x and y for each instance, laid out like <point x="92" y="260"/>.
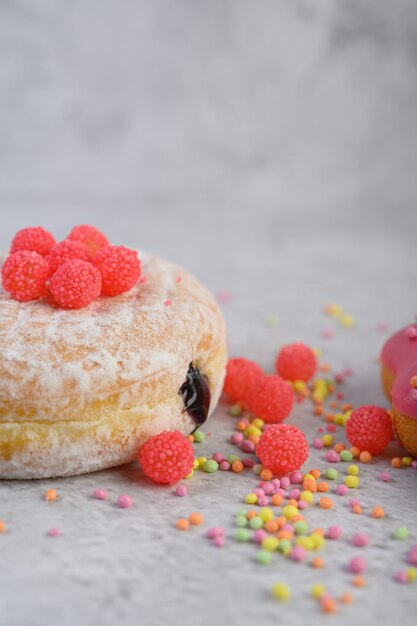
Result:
<point x="269" y="146"/>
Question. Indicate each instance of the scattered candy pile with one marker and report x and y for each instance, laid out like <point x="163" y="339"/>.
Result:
<point x="73" y="272"/>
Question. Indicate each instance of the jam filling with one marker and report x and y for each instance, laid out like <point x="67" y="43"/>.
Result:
<point x="195" y="394"/>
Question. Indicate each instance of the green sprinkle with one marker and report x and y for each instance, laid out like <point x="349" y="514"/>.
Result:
<point x="199" y="436"/>
<point x="272" y="320"/>
<point x="332" y="473"/>
<point x="264" y="557"/>
<point x="300" y="527"/>
<point x="235" y="410"/>
<point x="211" y="466"/>
<point x="406" y="460"/>
<point x="401" y="532"/>
<point x="232" y="458"/>
<point x="285" y="546"/>
<point x="241" y="521"/>
<point x="346" y="455"/>
<point x="256" y="522"/>
<point x="257" y="468"/>
<point x="242" y="534"/>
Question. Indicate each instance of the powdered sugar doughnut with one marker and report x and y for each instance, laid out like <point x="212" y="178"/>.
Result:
<point x="81" y="390"/>
<point x="399" y="379"/>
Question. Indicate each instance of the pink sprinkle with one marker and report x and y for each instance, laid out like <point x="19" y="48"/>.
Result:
<point x="354" y="502"/>
<point x="382" y="327"/>
<point x="268" y="488"/>
<point x="179" y="279"/>
<point x="298" y="553"/>
<point x="411" y="332"/>
<point x="360" y="540"/>
<point x="218" y="457"/>
<point x="248" y="462"/>
<point x="54" y="532"/>
<point x="280" y="491"/>
<point x="302" y="504"/>
<point x="218" y="541"/>
<point x="259" y="492"/>
<point x="348" y="371"/>
<point x="224" y="466"/>
<point x="263" y="500"/>
<point x="401" y="577"/>
<point x="331" y="428"/>
<point x="342" y="490"/>
<point x="334" y="532"/>
<point x="327" y="333"/>
<point x="332" y="456"/>
<point x="247" y="446"/>
<point x="285" y="482"/>
<point x="318" y="443"/>
<point x="296" y="478"/>
<point x="357" y="565"/>
<point x="412" y="556"/>
<point x="236" y="438"/>
<point x="214" y="531"/>
<point x="385" y="477"/>
<point x="100" y="494"/>
<point x="223" y="297"/>
<point x="259" y="535"/>
<point x="288" y="528"/>
<point x="168" y="303"/>
<point x="143" y="279"/>
<point x="414" y="464"/>
<point x="294" y="494"/>
<point x="339" y="378"/>
<point x="276" y="482"/>
<point x="124" y="501"/>
<point x="181" y="491"/>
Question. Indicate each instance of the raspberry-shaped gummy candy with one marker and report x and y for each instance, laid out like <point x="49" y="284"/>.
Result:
<point x="369" y="428"/>
<point x="66" y="251"/>
<point x="119" y="268"/>
<point x="75" y="284"/>
<point x="282" y="448"/>
<point x="24" y="275"/>
<point x="91" y="237"/>
<point x="271" y="398"/>
<point x="241" y="375"/>
<point x="296" y="361"/>
<point x="167" y="457"/>
<point x="33" y="239"/>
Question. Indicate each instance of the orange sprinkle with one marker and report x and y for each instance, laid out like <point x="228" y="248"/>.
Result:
<point x="251" y="513"/>
<point x="317" y="562"/>
<point x="315" y="472"/>
<point x="276" y="499"/>
<point x="346" y="406"/>
<point x="329" y="417"/>
<point x="328" y="605"/>
<point x="339" y="447"/>
<point x="237" y="466"/>
<point x="359" y="581"/>
<point x="183" y="524"/>
<point x="284" y="534"/>
<point x="396" y="461"/>
<point x="266" y="474"/>
<point x="330" y="388"/>
<point x="241" y="425"/>
<point x="326" y="503"/>
<point x="357" y="509"/>
<point x="190" y="438"/>
<point x="297" y="518"/>
<point x="354" y="451"/>
<point x="318" y="410"/>
<point x="2" y="526"/>
<point x="281" y="520"/>
<point x="365" y="456"/>
<point x="325" y="367"/>
<point x="334" y="404"/>
<point x="196" y="519"/>
<point x="255" y="439"/>
<point x="292" y="503"/>
<point x="271" y="526"/>
<point x="319" y="531"/>
<point x="50" y="495"/>
<point x="378" y="512"/>
<point x="346" y="598"/>
<point x="310" y="485"/>
<point x="323" y="487"/>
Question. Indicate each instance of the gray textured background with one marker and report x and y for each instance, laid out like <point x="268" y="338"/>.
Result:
<point x="270" y="147"/>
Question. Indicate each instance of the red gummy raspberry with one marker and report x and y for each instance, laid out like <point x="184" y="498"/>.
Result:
<point x="241" y="375"/>
<point x="34" y="239"/>
<point x="167" y="457"/>
<point x="119" y="268"/>
<point x="296" y="361"/>
<point x="271" y="399"/>
<point x="369" y="428"/>
<point x="24" y="275"/>
<point x="75" y="284"/>
<point x="282" y="448"/>
<point x="66" y="251"/>
<point x="90" y="236"/>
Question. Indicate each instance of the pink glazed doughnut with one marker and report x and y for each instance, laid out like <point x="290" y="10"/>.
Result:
<point x="399" y="380"/>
